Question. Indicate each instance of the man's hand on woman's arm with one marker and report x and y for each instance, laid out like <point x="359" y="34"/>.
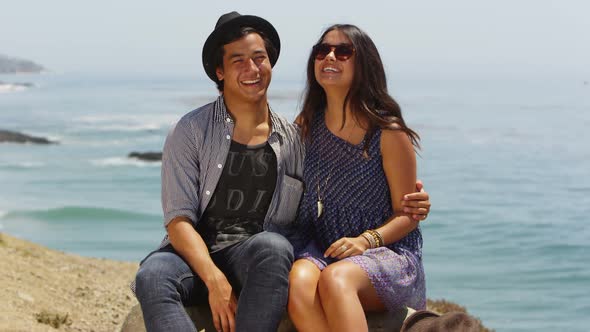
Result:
<point x="418" y="203"/>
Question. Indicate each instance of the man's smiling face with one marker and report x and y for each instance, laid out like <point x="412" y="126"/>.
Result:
<point x="246" y="71"/>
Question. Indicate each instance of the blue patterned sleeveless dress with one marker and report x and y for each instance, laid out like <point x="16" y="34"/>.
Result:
<point x="356" y="197"/>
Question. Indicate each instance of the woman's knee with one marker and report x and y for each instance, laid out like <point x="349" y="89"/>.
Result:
<point x="303" y="279"/>
<point x="336" y="280"/>
<point x="303" y="282"/>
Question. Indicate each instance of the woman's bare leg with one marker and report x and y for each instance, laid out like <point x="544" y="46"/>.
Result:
<point x="304" y="305"/>
<point x="346" y="293"/>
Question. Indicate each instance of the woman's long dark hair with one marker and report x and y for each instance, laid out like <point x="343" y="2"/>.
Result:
<point x="368" y="96"/>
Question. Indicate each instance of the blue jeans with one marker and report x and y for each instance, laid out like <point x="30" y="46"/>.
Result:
<point x="257" y="268"/>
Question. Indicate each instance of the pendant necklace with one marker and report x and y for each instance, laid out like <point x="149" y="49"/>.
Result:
<point x="321" y="195"/>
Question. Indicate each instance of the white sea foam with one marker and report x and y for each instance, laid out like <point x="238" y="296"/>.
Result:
<point x="122" y="161"/>
<point x="130" y="127"/>
<point x="53" y="137"/>
<point x="31" y="164"/>
<point x="7" y="87"/>
<point x="126" y="122"/>
<point x="23" y="164"/>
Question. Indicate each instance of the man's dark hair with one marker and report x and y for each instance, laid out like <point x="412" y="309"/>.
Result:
<point x="232" y="36"/>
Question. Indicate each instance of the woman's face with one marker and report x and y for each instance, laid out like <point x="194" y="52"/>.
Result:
<point x="336" y="70"/>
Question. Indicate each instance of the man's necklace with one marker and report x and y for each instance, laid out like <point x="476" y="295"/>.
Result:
<point x="321" y="194"/>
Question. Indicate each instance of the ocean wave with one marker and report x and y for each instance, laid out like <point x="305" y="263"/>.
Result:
<point x="78" y="214"/>
<point x="578" y="189"/>
<point x="52" y="137"/>
<point x="125" y="123"/>
<point x="127" y="127"/>
<point x="22" y="165"/>
<point x="123" y="161"/>
<point x="96" y="140"/>
<point x="13" y="87"/>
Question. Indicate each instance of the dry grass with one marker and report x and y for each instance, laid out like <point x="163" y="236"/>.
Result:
<point x="53" y="319"/>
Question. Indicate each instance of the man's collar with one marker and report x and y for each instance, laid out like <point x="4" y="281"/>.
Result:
<point x="222" y="115"/>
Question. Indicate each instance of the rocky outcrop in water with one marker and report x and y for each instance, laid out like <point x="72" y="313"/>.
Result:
<point x="10" y="65"/>
<point x="146" y="156"/>
<point x="7" y="136"/>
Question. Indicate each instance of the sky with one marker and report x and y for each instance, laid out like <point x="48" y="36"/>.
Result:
<point x="447" y="37"/>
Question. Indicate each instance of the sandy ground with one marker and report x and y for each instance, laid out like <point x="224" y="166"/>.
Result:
<point x="48" y="290"/>
<point x="40" y="287"/>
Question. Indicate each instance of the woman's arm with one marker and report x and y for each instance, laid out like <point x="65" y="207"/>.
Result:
<point x="399" y="164"/>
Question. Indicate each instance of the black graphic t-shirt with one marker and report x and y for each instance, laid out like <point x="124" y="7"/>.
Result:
<point x="242" y="197"/>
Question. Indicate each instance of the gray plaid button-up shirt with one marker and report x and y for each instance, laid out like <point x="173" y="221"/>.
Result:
<point x="194" y="155"/>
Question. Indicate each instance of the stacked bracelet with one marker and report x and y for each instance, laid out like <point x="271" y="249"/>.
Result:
<point x="381" y="242"/>
<point x="375" y="239"/>
<point x="369" y="239"/>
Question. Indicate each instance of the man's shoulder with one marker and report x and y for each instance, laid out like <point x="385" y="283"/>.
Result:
<point x="198" y="115"/>
<point x="287" y="127"/>
<point x="194" y="123"/>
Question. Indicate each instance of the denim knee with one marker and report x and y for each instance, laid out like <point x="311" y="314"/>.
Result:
<point x="158" y="275"/>
<point x="271" y="245"/>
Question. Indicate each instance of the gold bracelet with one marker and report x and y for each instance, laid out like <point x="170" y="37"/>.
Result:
<point x="370" y="239"/>
<point x="381" y="242"/>
<point x="377" y="236"/>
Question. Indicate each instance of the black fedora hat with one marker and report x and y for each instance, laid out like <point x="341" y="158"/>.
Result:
<point x="234" y="20"/>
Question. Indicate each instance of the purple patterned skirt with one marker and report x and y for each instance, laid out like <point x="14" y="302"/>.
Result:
<point x="398" y="277"/>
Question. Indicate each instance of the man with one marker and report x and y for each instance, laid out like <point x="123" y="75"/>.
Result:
<point x="231" y="186"/>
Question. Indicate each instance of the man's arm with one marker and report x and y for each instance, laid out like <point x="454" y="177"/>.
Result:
<point x="190" y="245"/>
<point x="180" y="202"/>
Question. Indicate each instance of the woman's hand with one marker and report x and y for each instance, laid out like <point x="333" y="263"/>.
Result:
<point x="347" y="246"/>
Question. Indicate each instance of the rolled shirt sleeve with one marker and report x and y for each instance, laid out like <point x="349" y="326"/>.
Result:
<point x="180" y="174"/>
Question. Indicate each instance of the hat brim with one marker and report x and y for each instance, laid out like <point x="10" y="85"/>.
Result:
<point x="214" y="39"/>
<point x="416" y="317"/>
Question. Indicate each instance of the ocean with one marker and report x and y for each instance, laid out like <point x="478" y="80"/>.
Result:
<point x="505" y="160"/>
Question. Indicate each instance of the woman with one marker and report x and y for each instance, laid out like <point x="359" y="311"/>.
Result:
<point x="360" y="163"/>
